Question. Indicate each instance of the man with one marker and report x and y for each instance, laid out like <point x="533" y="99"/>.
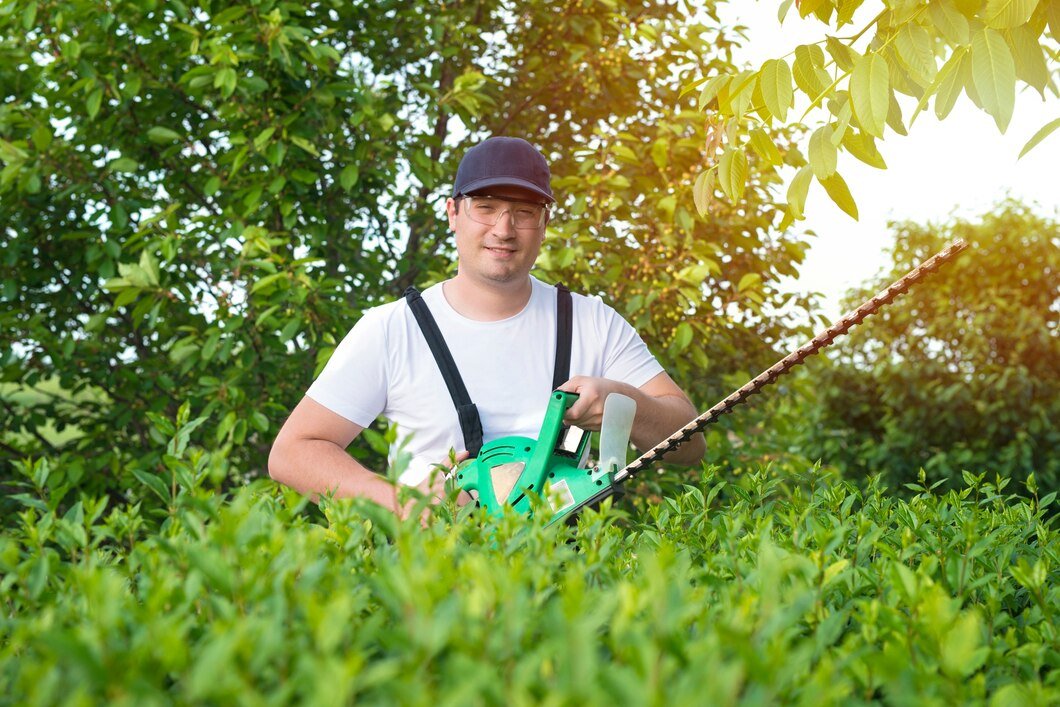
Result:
<point x="500" y="325"/>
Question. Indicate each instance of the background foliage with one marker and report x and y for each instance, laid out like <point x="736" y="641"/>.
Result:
<point x="198" y="200"/>
<point x="964" y="372"/>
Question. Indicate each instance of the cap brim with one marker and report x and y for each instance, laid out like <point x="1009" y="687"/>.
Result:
<point x="480" y="184"/>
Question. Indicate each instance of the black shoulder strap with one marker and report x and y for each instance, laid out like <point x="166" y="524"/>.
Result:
<point x="564" y="333"/>
<point x="470" y="423"/>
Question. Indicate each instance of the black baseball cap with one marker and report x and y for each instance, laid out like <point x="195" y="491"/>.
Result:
<point x="507" y="161"/>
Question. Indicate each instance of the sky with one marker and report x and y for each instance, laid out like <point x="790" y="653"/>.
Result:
<point x="960" y="166"/>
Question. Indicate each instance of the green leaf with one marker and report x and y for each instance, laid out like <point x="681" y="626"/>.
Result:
<point x="763" y="145"/>
<point x="749" y="280"/>
<point x="153" y="482"/>
<point x="894" y="116"/>
<point x="732" y="173"/>
<point x="961" y="652"/>
<point x="994" y="75"/>
<point x="837" y="189"/>
<point x="161" y="136"/>
<point x="843" y="55"/>
<point x="950" y="68"/>
<point x="797" y="190"/>
<point x="95" y="99"/>
<point x="950" y="23"/>
<point x="863" y="147"/>
<point x="1043" y="133"/>
<point x="823" y="154"/>
<point x="703" y="191"/>
<point x="124" y="164"/>
<point x="1002" y="14"/>
<point x="870" y="90"/>
<point x="682" y="337"/>
<point x="1029" y="57"/>
<point x="951" y="81"/>
<point x="808" y="70"/>
<point x="305" y="145"/>
<point x="775" y="83"/>
<point x="916" y="52"/>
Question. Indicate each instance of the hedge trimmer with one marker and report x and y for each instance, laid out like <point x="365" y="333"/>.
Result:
<point x="509" y="471"/>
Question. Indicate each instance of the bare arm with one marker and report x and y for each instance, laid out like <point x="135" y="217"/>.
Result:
<point x="309" y="455"/>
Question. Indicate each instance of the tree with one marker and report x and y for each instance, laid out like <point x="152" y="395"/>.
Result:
<point x="965" y="373"/>
<point x="198" y="200"/>
<point x="851" y="85"/>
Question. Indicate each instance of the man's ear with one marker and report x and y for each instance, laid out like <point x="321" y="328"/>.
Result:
<point x="450" y="211"/>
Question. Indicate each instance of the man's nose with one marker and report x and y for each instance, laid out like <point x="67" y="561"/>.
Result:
<point x="505" y="225"/>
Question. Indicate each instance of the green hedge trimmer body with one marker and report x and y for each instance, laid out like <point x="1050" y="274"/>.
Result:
<point x="508" y="471"/>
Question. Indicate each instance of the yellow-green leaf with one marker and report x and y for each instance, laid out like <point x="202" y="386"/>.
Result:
<point x="823" y="154"/>
<point x="702" y="191"/>
<point x="950" y="80"/>
<point x="863" y="147"/>
<point x="961" y="652"/>
<point x="870" y="88"/>
<point x="1002" y="14"/>
<point x="797" y="190"/>
<point x="732" y="173"/>
<point x="838" y="191"/>
<point x="994" y="75"/>
<point x="916" y="53"/>
<point x="775" y="84"/>
<point x="1040" y="135"/>
<point x="950" y="23"/>
<point x="751" y="279"/>
<point x="1028" y="56"/>
<point x="808" y="70"/>
<point x="763" y="145"/>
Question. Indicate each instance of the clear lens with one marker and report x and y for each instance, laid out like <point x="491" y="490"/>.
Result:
<point x="488" y="210"/>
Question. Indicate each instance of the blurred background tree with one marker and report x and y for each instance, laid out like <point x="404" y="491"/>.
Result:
<point x="963" y="373"/>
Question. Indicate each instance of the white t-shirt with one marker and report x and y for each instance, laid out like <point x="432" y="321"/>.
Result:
<point x="384" y="367"/>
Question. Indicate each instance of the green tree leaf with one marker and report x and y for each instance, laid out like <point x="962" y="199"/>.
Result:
<point x="870" y="89"/>
<point x="1002" y="14"/>
<point x="838" y="191"/>
<point x="1042" y="133"/>
<point x="797" y="190"/>
<point x="951" y="80"/>
<point x="823" y="154"/>
<point x="950" y="23"/>
<point x="863" y="147"/>
<point x="994" y="74"/>
<point x="162" y="135"/>
<point x="732" y="173"/>
<point x="703" y="191"/>
<point x="775" y="84"/>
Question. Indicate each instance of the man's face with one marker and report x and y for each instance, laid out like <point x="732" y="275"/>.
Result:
<point x="500" y="253"/>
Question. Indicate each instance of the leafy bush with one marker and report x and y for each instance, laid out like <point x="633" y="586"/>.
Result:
<point x="963" y="373"/>
<point x="767" y="590"/>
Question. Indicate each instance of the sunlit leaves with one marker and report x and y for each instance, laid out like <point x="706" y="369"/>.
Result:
<point x="994" y="74"/>
<point x="870" y="91"/>
<point x="931" y="51"/>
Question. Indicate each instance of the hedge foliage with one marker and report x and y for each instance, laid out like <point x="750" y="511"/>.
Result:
<point x="778" y="588"/>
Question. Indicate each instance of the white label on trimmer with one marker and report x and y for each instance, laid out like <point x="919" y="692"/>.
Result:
<point x="560" y="491"/>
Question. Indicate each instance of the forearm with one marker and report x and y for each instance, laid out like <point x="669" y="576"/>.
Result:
<point x="659" y="417"/>
<point x="316" y="467"/>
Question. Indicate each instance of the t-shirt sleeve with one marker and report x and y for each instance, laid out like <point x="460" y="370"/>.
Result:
<point x="354" y="381"/>
<point x="626" y="356"/>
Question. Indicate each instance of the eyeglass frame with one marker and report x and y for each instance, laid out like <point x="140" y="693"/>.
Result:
<point x="546" y="213"/>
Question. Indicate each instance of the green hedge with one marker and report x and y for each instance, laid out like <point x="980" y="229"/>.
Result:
<point x="799" y="589"/>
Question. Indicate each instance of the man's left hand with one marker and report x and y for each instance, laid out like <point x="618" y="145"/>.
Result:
<point x="587" y="412"/>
